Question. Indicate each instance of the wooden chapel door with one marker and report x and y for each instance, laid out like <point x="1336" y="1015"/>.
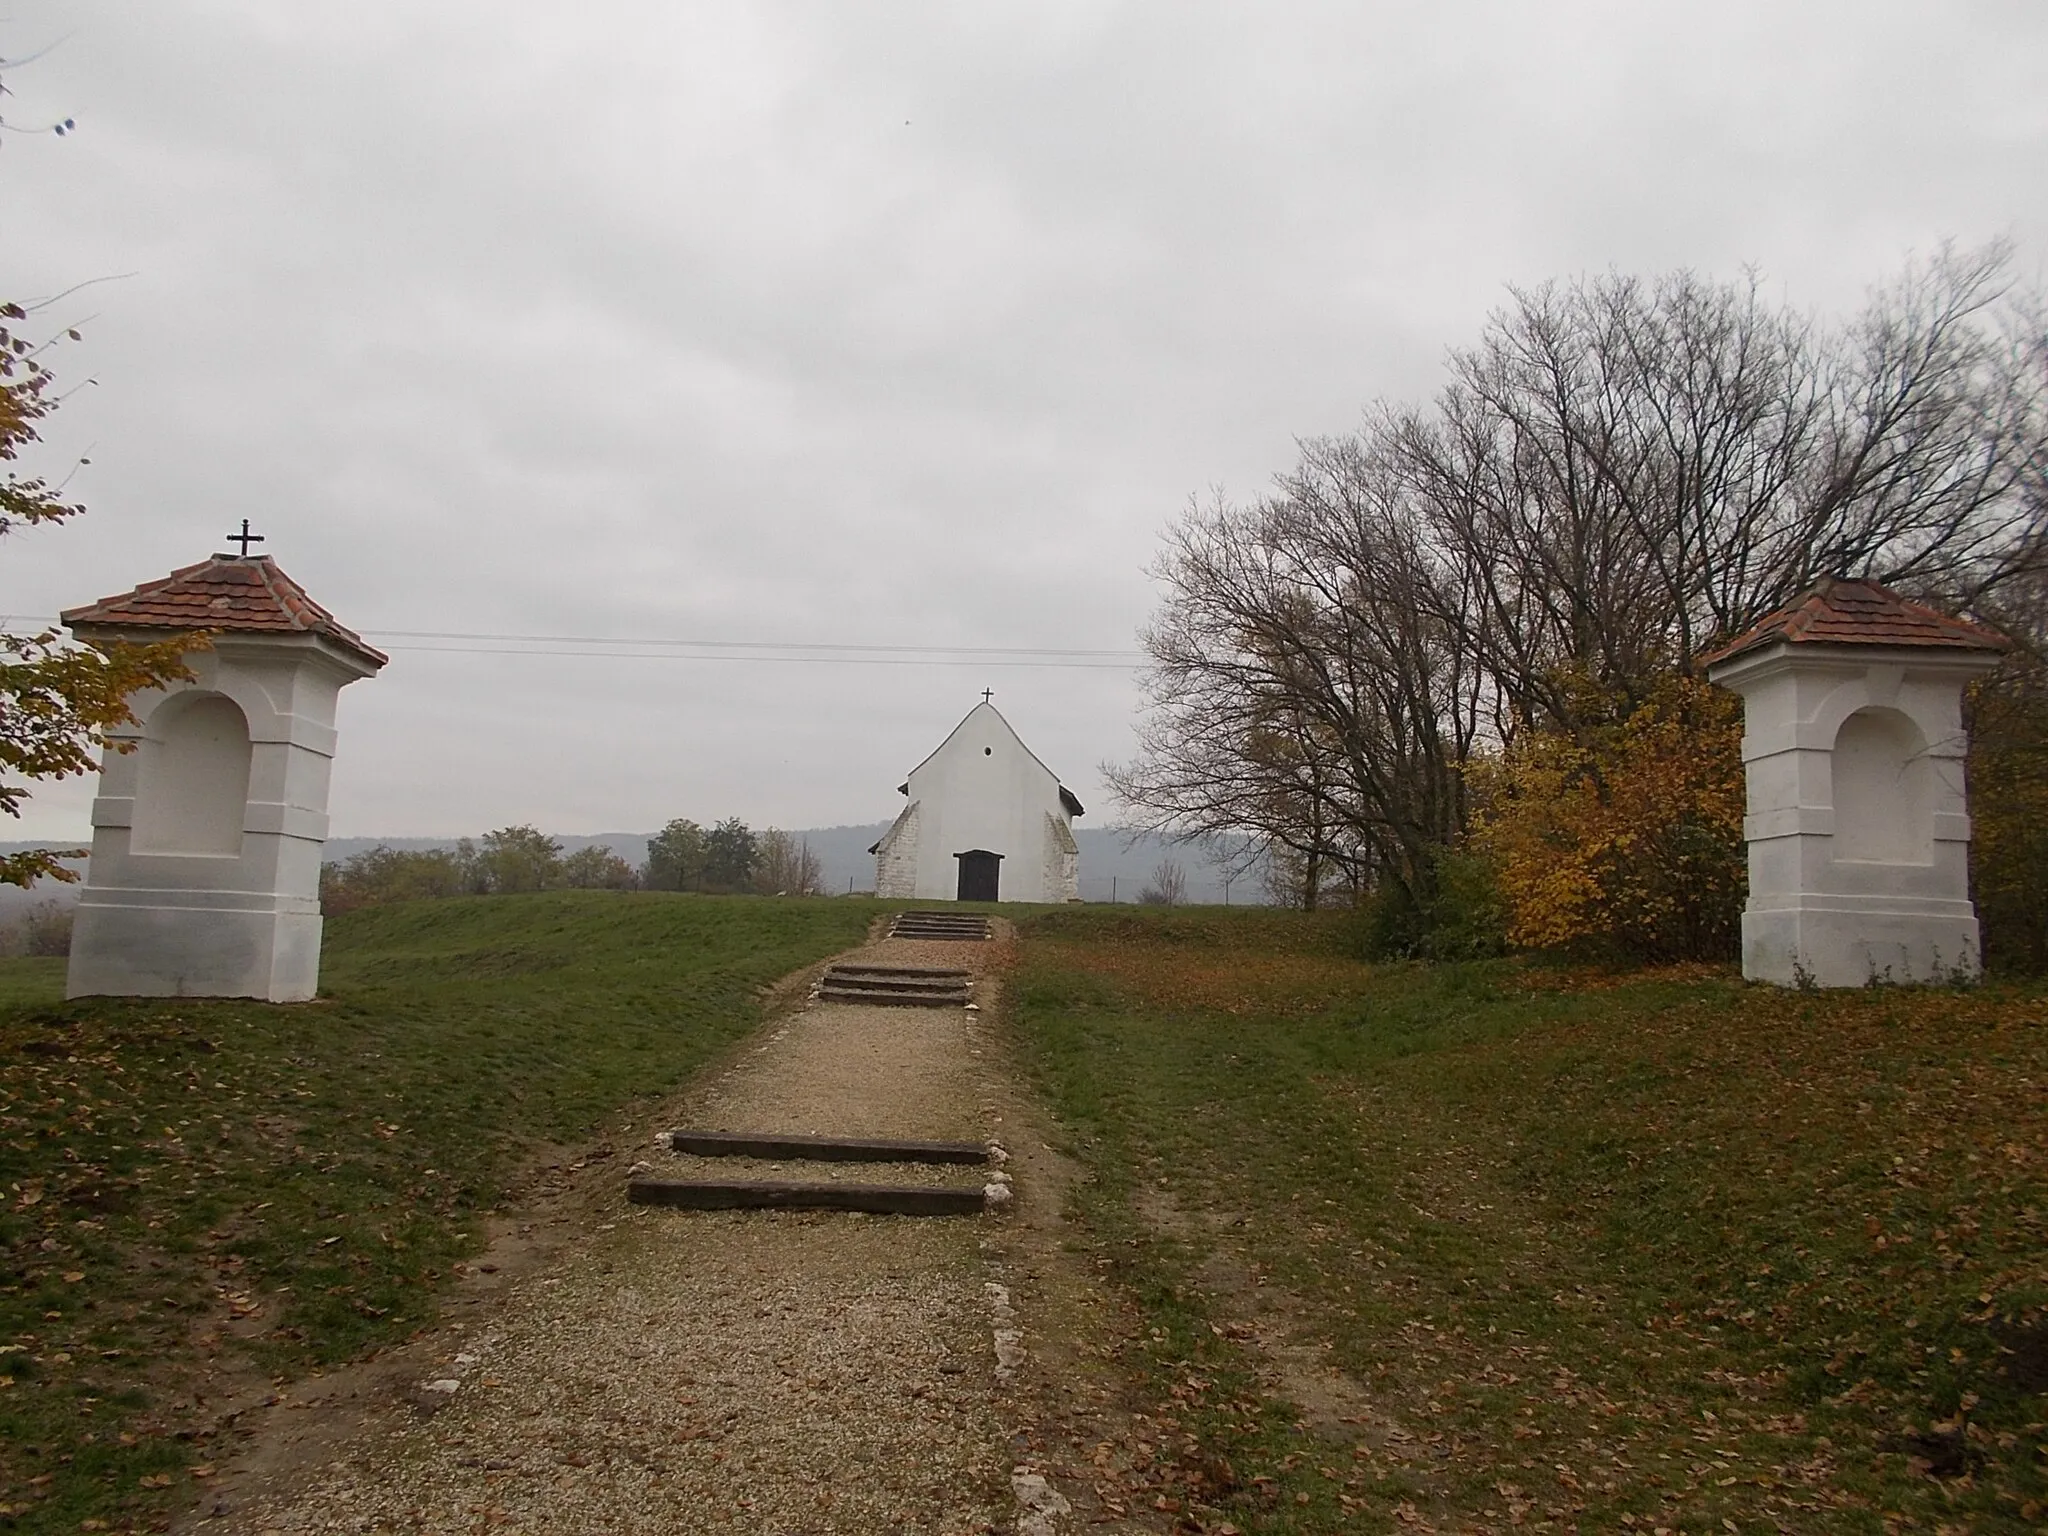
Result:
<point x="980" y="874"/>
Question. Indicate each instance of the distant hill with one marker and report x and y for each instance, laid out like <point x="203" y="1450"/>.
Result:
<point x="1109" y="869"/>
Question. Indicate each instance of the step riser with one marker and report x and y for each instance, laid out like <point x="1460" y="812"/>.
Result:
<point x="880" y="1199"/>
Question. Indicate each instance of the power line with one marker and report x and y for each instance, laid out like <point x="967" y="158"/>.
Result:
<point x="975" y="660"/>
<point x="759" y="645"/>
<point x="826" y="652"/>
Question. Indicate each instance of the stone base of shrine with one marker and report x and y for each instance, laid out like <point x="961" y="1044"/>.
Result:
<point x="1849" y="941"/>
<point x="168" y="943"/>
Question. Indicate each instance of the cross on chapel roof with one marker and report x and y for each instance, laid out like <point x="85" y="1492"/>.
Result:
<point x="245" y="538"/>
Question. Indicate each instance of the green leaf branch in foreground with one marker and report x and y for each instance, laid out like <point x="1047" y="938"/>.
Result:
<point x="57" y="699"/>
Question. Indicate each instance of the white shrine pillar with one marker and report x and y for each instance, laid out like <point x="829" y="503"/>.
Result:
<point x="1853" y="746"/>
<point x="205" y="872"/>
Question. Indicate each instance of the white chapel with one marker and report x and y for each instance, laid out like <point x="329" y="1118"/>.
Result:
<point x="987" y="821"/>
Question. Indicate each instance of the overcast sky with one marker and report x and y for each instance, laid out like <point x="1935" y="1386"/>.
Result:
<point x="848" y="324"/>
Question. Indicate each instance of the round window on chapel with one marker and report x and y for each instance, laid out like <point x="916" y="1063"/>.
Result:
<point x="988" y="751"/>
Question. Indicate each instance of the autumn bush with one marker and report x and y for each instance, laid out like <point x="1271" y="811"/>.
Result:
<point x="2008" y="776"/>
<point x="1624" y="835"/>
<point x="1464" y="918"/>
<point x="384" y="874"/>
<point x="43" y="929"/>
<point x="509" y="861"/>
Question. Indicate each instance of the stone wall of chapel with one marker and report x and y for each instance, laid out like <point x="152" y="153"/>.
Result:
<point x="982" y="789"/>
<point x="896" y="858"/>
<point x="1061" y="876"/>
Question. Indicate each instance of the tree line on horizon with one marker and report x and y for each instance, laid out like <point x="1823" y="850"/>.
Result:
<point x="1447" y="670"/>
<point x="726" y="858"/>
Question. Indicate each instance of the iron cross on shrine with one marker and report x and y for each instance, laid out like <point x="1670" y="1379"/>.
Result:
<point x="987" y="694"/>
<point x="245" y="538"/>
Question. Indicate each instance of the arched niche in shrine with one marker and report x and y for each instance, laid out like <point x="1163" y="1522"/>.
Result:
<point x="192" y="783"/>
<point x="1883" y="790"/>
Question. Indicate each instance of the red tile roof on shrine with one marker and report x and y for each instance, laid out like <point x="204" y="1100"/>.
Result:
<point x="1838" y="612"/>
<point x="229" y="593"/>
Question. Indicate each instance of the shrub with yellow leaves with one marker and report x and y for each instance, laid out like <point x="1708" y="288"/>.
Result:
<point x="1624" y="835"/>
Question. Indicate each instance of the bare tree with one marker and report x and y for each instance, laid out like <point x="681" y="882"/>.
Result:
<point x="1304" y="687"/>
<point x="1167" y="887"/>
<point x="1618" y="473"/>
<point x="2008" y="775"/>
<point x="1627" y="471"/>
<point x="57" y="126"/>
<point x="785" y="866"/>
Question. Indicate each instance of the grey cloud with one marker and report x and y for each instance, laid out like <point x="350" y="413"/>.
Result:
<point x="660" y="320"/>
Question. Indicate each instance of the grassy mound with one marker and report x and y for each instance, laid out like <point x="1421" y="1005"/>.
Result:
<point x="182" y="1179"/>
<point x="1652" y="1251"/>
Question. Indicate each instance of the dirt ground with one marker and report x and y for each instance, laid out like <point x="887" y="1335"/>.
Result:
<point x="608" y="1367"/>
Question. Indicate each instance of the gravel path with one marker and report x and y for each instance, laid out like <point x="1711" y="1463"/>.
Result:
<point x="731" y="1371"/>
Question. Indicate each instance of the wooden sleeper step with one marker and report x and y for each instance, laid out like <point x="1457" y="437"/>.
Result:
<point x="787" y="1145"/>
<point x="906" y="972"/>
<point x="917" y="985"/>
<point x="939" y="925"/>
<point x="761" y="1194"/>
<point x="901" y="986"/>
<point x="897" y="976"/>
<point x="893" y="999"/>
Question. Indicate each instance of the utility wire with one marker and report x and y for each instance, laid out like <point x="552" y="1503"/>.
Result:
<point x="761" y="645"/>
<point x="974" y="660"/>
<point x="838" y="653"/>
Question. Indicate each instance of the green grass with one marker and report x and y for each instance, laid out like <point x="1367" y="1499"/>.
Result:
<point x="184" y="1182"/>
<point x="1662" y="1251"/>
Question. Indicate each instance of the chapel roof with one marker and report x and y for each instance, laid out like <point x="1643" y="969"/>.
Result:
<point x="237" y="594"/>
<point x="1841" y="612"/>
<point x="1068" y="800"/>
